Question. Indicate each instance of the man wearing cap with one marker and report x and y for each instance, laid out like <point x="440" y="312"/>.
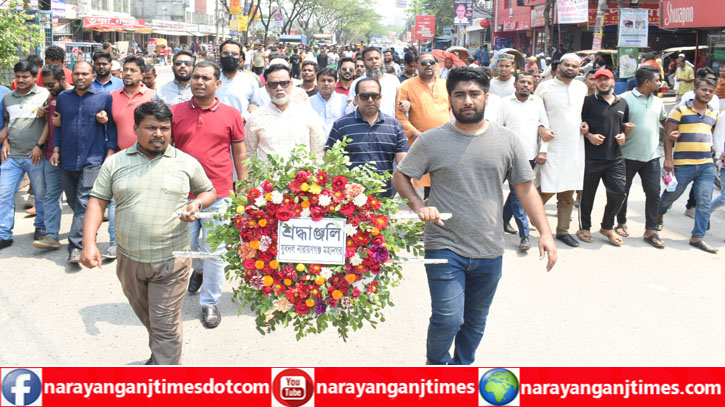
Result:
<point x="685" y="77"/>
<point x="563" y="172"/>
<point x="503" y="84"/>
<point x="605" y="118"/>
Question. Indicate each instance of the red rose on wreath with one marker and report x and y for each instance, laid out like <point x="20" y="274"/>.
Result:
<point x="267" y="187"/>
<point x="317" y="213"/>
<point x="339" y="182"/>
<point x="301" y="308"/>
<point x="303" y="176"/>
<point x="348" y="209"/>
<point x="379" y="240"/>
<point x="284" y="214"/>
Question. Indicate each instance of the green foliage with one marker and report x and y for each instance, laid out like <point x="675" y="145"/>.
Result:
<point x="400" y="236"/>
<point x="442" y="9"/>
<point x="17" y="36"/>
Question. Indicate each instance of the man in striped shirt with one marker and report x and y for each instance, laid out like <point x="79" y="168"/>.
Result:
<point x="375" y="137"/>
<point x="691" y="127"/>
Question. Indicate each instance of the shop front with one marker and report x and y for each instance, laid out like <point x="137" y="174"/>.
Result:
<point x="708" y="25"/>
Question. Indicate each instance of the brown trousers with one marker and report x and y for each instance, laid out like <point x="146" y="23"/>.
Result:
<point x="156" y="294"/>
<point x="564" y="208"/>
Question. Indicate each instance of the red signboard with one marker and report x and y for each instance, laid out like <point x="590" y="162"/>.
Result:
<point x="691" y="13"/>
<point x="425" y="27"/>
<point x="200" y="6"/>
<point x="113" y="24"/>
<point x="611" y="15"/>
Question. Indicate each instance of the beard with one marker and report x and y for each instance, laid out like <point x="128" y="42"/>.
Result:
<point x="374" y="73"/>
<point x="468" y="120"/>
<point x="568" y="75"/>
<point x="606" y="92"/>
<point x="182" y="78"/>
<point x="281" y="101"/>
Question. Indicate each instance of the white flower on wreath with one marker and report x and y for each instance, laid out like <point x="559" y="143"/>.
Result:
<point x="264" y="243"/>
<point x="326" y="273"/>
<point x="277" y="197"/>
<point x="350" y="230"/>
<point x="324" y="200"/>
<point x="355" y="260"/>
<point x="260" y="202"/>
<point x="360" y="200"/>
<point x="305" y="213"/>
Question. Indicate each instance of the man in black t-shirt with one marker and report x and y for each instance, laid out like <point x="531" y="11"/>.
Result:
<point x="294" y="60"/>
<point x="605" y="118"/>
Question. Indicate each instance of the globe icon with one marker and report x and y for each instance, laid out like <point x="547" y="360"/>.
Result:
<point x="498" y="387"/>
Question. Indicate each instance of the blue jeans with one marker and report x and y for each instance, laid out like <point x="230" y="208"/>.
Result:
<point x="77" y="186"/>
<point x="719" y="200"/>
<point x="703" y="178"/>
<point x="11" y="174"/>
<point x="461" y="293"/>
<point x="211" y="288"/>
<point x="512" y="207"/>
<point x="111" y="223"/>
<point x="52" y="203"/>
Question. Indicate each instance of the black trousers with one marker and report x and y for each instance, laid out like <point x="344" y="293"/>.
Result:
<point x="649" y="174"/>
<point x="612" y="173"/>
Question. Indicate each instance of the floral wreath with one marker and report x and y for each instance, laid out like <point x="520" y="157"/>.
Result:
<point x="314" y="296"/>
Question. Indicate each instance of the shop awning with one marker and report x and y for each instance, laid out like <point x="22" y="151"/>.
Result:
<point x="169" y="32"/>
<point x="473" y="29"/>
<point x="196" y="34"/>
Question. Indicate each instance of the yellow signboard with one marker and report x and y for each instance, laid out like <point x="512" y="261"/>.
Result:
<point x="242" y="23"/>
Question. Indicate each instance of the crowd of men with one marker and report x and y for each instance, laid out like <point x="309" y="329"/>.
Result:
<point x="106" y="143"/>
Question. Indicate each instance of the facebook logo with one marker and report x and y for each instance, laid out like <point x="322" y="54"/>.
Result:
<point x="22" y="387"/>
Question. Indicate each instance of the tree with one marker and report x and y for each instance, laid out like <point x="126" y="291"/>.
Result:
<point x="18" y="36"/>
<point x="442" y="9"/>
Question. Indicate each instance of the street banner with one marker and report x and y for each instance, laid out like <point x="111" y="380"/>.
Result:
<point x="572" y="11"/>
<point x="58" y="8"/>
<point x="235" y="7"/>
<point x="242" y="23"/>
<point x="353" y="385"/>
<point x="633" y="28"/>
<point x="463" y="12"/>
<point x="425" y="27"/>
<point x="628" y="58"/>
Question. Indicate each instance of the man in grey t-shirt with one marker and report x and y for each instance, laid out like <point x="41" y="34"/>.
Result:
<point x="468" y="162"/>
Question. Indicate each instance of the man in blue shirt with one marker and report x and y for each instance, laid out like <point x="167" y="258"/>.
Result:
<point x="328" y="104"/>
<point x="375" y="137"/>
<point x="80" y="146"/>
<point x="483" y="56"/>
<point x="104" y="82"/>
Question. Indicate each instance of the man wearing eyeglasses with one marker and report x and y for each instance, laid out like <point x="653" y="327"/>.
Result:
<point x="375" y="137"/>
<point x="429" y="105"/>
<point x="239" y="90"/>
<point x="281" y="125"/>
<point x="178" y="90"/>
<point x="346" y="73"/>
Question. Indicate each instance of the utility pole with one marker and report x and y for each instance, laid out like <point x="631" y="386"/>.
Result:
<point x="216" y="20"/>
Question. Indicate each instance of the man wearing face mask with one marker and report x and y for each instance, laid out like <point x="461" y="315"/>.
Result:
<point x="238" y="89"/>
<point x="281" y="125"/>
<point x="178" y="90"/>
<point x="373" y="60"/>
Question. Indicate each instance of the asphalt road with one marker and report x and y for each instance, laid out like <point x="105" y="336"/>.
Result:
<point x="601" y="305"/>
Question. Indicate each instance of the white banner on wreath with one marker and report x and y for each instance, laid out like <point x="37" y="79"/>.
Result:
<point x="303" y="240"/>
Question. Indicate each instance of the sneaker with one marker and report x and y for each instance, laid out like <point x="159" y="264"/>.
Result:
<point x="39" y="233"/>
<point x="74" y="256"/>
<point x="690" y="213"/>
<point x="525" y="244"/>
<point x="46" y="242"/>
<point x="5" y="243"/>
<point x="110" y="253"/>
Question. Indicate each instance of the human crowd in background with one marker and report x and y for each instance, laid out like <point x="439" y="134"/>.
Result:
<point x="99" y="135"/>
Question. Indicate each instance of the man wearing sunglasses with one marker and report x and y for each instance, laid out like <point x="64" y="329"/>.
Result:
<point x="239" y="89"/>
<point x="347" y="74"/>
<point x="375" y="137"/>
<point x="429" y="108"/>
<point x="281" y="125"/>
<point x="178" y="90"/>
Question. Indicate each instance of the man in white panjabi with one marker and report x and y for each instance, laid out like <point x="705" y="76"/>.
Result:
<point x="563" y="173"/>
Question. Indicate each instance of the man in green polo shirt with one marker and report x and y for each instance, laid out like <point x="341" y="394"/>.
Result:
<point x="641" y="150"/>
<point x="150" y="182"/>
<point x="22" y="149"/>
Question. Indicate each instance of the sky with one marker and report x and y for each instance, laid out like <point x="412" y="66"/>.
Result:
<point x="387" y="9"/>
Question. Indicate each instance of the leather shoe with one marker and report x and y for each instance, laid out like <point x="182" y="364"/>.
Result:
<point x="525" y="244"/>
<point x="5" y="243"/>
<point x="700" y="244"/>
<point x="195" y="281"/>
<point x="211" y="316"/>
<point x="509" y="229"/>
<point x="150" y="361"/>
<point x="568" y="240"/>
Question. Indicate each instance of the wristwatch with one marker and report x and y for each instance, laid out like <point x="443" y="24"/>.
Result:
<point x="40" y="146"/>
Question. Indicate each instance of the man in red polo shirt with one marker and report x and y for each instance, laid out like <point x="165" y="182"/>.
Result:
<point x="205" y="128"/>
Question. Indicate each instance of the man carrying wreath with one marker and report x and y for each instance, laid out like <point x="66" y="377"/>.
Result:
<point x="468" y="161"/>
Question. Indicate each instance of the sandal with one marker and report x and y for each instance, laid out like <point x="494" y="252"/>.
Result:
<point x="654" y="240"/>
<point x="622" y="230"/>
<point x="584" y="235"/>
<point x="612" y="236"/>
